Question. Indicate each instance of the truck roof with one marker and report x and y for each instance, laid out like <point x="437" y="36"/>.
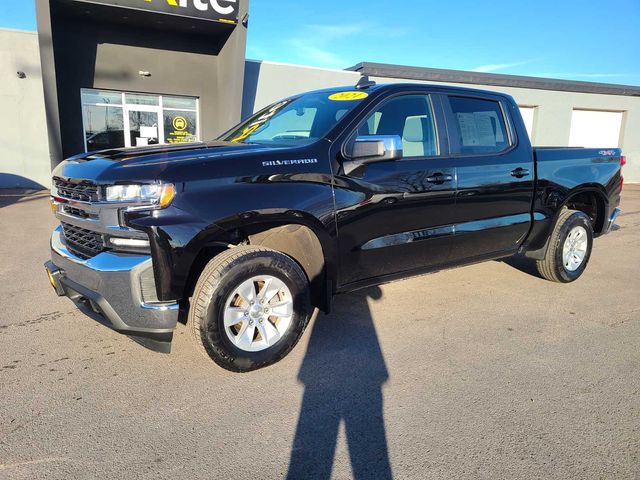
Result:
<point x="408" y="86"/>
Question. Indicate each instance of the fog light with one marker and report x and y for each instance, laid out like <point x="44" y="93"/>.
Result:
<point x="129" y="242"/>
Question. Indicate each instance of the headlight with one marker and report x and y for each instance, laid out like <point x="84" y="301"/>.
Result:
<point x="159" y="195"/>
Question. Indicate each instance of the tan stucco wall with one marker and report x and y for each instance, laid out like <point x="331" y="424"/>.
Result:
<point x="24" y="148"/>
<point x="270" y="81"/>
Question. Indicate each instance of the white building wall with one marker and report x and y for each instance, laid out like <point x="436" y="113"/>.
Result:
<point x="24" y="147"/>
<point x="267" y="82"/>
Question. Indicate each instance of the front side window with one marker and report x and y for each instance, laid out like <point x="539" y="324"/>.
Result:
<point x="480" y="124"/>
<point x="411" y="118"/>
<point x="296" y="120"/>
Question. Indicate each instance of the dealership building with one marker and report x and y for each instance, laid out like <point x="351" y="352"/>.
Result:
<point x="125" y="73"/>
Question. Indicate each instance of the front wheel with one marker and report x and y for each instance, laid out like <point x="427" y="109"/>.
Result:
<point x="250" y="307"/>
<point x="569" y="248"/>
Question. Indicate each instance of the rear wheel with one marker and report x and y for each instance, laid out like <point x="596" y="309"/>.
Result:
<point x="250" y="307"/>
<point x="569" y="248"/>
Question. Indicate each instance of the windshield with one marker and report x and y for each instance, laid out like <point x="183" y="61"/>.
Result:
<point x="302" y="119"/>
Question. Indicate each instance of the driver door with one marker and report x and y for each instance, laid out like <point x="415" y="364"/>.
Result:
<point x="395" y="217"/>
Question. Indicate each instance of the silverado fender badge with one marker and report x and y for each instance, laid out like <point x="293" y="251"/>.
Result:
<point x="300" y="161"/>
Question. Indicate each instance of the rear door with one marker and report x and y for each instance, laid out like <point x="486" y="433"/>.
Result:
<point x="395" y="216"/>
<point x="495" y="172"/>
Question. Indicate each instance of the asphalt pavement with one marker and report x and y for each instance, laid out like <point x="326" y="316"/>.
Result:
<point x="486" y="371"/>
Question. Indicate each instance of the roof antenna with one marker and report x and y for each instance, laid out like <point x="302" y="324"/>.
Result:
<point x="364" y="82"/>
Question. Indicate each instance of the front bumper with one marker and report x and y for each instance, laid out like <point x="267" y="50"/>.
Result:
<point x="112" y="285"/>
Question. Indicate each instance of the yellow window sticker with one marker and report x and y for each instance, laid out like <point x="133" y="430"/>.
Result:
<point x="348" y="96"/>
<point x="247" y="132"/>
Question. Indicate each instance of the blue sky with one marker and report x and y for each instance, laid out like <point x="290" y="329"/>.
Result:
<point x="591" y="40"/>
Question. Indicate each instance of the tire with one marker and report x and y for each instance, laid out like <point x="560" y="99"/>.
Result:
<point x="239" y="348"/>
<point x="554" y="267"/>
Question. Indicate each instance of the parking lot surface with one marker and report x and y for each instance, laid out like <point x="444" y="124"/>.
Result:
<point x="485" y="371"/>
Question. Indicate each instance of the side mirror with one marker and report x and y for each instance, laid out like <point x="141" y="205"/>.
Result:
<point x="372" y="149"/>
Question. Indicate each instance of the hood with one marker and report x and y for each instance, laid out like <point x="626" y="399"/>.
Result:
<point x="166" y="151"/>
<point x="159" y="162"/>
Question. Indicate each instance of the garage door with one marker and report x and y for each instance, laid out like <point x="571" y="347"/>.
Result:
<point x="595" y="129"/>
<point x="528" y="114"/>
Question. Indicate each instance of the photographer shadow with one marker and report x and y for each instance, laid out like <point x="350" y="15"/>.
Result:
<point x="343" y="373"/>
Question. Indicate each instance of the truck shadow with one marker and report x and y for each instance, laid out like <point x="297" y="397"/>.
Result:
<point x="343" y="373"/>
<point x="17" y="189"/>
<point x="524" y="264"/>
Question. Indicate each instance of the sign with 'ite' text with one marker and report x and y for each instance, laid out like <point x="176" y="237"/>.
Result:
<point x="218" y="10"/>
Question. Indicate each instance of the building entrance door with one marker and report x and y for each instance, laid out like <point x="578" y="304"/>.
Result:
<point x="142" y="125"/>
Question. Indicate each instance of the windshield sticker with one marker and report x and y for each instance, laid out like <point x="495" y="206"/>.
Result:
<point x="260" y="121"/>
<point x="348" y="96"/>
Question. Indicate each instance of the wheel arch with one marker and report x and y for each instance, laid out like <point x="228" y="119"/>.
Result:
<point x="303" y="239"/>
<point x="591" y="200"/>
<point x="302" y="243"/>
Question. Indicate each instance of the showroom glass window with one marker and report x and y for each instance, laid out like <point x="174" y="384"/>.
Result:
<point x="122" y="119"/>
<point x="180" y="117"/>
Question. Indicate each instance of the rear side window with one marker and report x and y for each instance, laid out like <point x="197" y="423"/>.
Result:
<point x="480" y="124"/>
<point x="411" y="118"/>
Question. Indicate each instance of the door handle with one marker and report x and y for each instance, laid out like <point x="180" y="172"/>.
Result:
<point x="519" y="172"/>
<point x="439" y="178"/>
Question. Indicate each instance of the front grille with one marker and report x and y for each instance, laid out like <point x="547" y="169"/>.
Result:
<point x="82" y="191"/>
<point x="82" y="242"/>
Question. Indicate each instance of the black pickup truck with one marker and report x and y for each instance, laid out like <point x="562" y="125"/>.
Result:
<point x="318" y="194"/>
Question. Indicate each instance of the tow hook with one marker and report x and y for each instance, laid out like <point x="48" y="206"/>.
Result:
<point x="54" y="275"/>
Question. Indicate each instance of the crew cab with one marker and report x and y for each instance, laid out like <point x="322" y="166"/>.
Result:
<point x="318" y="194"/>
